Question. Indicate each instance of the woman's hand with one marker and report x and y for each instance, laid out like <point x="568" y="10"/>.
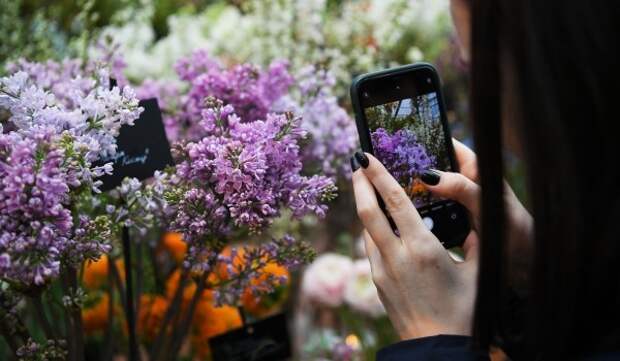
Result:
<point x="463" y="188"/>
<point x="423" y="290"/>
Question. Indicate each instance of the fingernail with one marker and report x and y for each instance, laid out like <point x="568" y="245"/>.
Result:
<point x="355" y="165"/>
<point x="362" y="159"/>
<point x="431" y="177"/>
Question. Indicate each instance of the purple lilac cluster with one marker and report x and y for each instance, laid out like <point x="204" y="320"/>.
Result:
<point x="332" y="131"/>
<point x="238" y="177"/>
<point x="61" y="119"/>
<point x="247" y="264"/>
<point x="254" y="92"/>
<point x="65" y="99"/>
<point x="401" y="153"/>
<point x="34" y="221"/>
<point x="250" y="90"/>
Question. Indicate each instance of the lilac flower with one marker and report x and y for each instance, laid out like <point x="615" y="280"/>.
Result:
<point x="245" y="87"/>
<point x="62" y="117"/>
<point x="35" y="225"/>
<point x="240" y="176"/>
<point x="67" y="99"/>
<point x="401" y="153"/>
<point x="332" y="131"/>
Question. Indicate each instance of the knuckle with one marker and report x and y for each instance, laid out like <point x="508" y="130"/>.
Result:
<point x="367" y="213"/>
<point x="395" y="199"/>
<point x="462" y="188"/>
<point x="425" y="255"/>
<point x="378" y="277"/>
<point x="459" y="186"/>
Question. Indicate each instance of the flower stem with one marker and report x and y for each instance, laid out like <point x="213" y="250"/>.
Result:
<point x="109" y="339"/>
<point x="181" y="331"/>
<point x="41" y="317"/>
<point x="117" y="280"/>
<point x="159" y="278"/>
<point x="139" y="275"/>
<point x="77" y="317"/>
<point x="129" y="298"/>
<point x="73" y="316"/>
<point x="9" y="338"/>
<point x="169" y="316"/>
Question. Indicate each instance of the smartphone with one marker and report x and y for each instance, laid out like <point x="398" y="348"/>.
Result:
<point x="401" y="120"/>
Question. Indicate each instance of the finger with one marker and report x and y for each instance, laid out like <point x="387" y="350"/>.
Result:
<point x="471" y="247"/>
<point x="371" y="214"/>
<point x="397" y="203"/>
<point x="457" y="187"/>
<point x="374" y="256"/>
<point x="466" y="158"/>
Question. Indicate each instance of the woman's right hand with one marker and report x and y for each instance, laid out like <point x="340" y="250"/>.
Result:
<point x="463" y="187"/>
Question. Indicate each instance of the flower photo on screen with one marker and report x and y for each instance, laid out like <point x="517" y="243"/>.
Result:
<point x="407" y="137"/>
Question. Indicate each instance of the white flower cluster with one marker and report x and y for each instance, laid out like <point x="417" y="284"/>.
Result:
<point x="355" y="37"/>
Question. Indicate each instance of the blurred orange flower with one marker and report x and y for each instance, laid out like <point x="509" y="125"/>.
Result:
<point x="151" y="315"/>
<point x="221" y="272"/>
<point x="96" y="272"/>
<point x="267" y="303"/>
<point x="173" y="243"/>
<point x="96" y="318"/>
<point x="210" y="321"/>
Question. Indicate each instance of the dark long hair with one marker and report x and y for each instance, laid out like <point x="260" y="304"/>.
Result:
<point x="563" y="55"/>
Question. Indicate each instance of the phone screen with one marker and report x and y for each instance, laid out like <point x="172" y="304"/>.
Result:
<point x="408" y="134"/>
<point x="407" y="137"/>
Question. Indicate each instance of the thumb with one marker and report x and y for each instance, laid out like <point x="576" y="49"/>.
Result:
<point x="454" y="186"/>
<point x="471" y="247"/>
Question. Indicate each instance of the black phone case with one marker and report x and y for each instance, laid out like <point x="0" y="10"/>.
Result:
<point x="364" y="133"/>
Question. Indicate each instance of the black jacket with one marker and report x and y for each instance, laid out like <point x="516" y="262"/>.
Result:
<point x="450" y="348"/>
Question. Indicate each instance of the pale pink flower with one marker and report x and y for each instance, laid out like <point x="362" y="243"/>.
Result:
<point x="326" y="278"/>
<point x="360" y="291"/>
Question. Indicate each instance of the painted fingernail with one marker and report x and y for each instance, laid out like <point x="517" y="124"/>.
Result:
<point x="431" y="177"/>
<point x="355" y="165"/>
<point x="362" y="159"/>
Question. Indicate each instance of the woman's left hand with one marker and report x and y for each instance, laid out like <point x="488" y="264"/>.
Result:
<point x="424" y="291"/>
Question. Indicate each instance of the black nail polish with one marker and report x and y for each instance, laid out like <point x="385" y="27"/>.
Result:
<point x="431" y="177"/>
<point x="362" y="159"/>
<point x="355" y="165"/>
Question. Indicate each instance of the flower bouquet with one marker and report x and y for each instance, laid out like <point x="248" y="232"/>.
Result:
<point x="238" y="167"/>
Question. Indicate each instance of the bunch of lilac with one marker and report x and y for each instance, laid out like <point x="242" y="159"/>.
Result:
<point x="237" y="179"/>
<point x="62" y="117"/>
<point x="333" y="136"/>
<point x="254" y="92"/>
<point x="401" y="153"/>
<point x="250" y="90"/>
<point x="69" y="98"/>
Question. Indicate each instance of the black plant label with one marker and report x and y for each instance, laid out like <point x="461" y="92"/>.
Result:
<point x="265" y="340"/>
<point x="142" y="148"/>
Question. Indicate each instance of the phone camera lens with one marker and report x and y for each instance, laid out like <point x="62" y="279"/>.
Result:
<point x="397" y="87"/>
<point x="366" y="95"/>
<point x="428" y="80"/>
